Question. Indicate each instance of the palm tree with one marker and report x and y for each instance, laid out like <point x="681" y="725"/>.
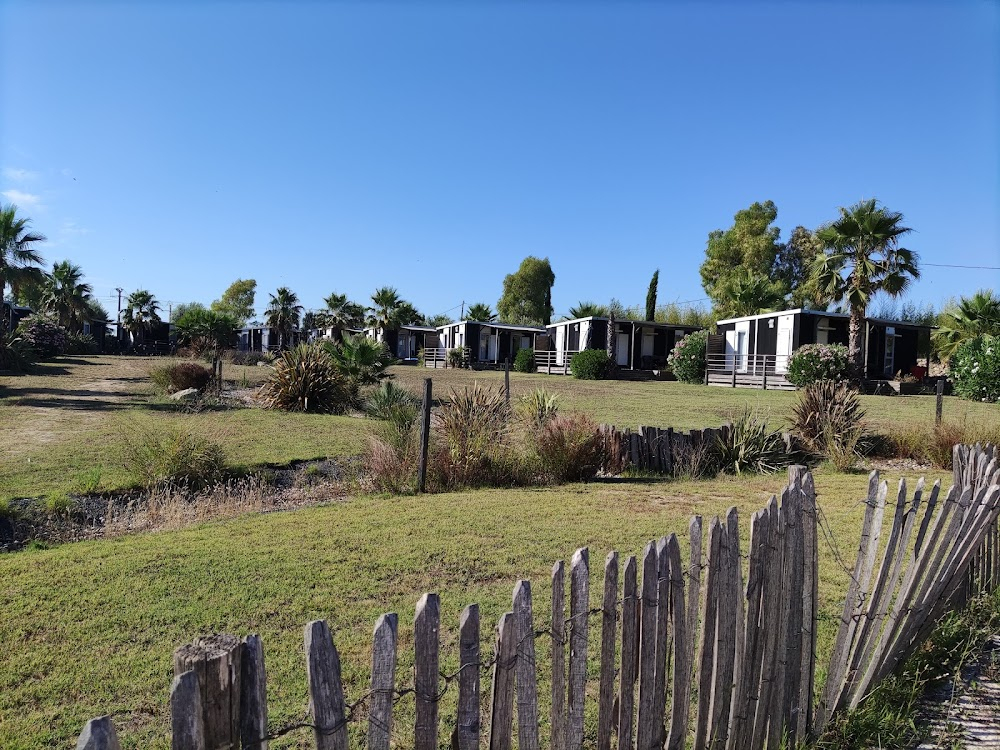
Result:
<point x="19" y="260"/>
<point x="971" y="317"/>
<point x="67" y="295"/>
<point x="141" y="313"/>
<point x="283" y="313"/>
<point x="481" y="312"/>
<point x="342" y="313"/>
<point x="586" y="310"/>
<point x="384" y="303"/>
<point x="862" y="258"/>
<point x="748" y="293"/>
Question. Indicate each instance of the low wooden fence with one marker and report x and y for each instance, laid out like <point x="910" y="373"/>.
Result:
<point x="662" y="450"/>
<point x="689" y="654"/>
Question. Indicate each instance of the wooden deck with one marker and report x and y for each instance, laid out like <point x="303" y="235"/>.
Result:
<point x="772" y="381"/>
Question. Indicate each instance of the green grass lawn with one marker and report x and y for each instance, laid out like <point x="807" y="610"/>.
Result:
<point x="89" y="628"/>
<point x="70" y="415"/>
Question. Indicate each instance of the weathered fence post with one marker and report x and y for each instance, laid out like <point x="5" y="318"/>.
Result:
<point x="579" y="608"/>
<point x="939" y="407"/>
<point x="647" y="732"/>
<point x="524" y="673"/>
<point x="215" y="659"/>
<point x="609" y="618"/>
<point x="557" y="715"/>
<point x="426" y="626"/>
<point x="99" y="734"/>
<point x="467" y="726"/>
<point x="630" y="655"/>
<point x="425" y="435"/>
<point x="502" y="712"/>
<point x="326" y="691"/>
<point x="187" y="725"/>
<point x="382" y="682"/>
<point x="253" y="694"/>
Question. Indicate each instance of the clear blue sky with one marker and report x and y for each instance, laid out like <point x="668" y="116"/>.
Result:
<point x="431" y="146"/>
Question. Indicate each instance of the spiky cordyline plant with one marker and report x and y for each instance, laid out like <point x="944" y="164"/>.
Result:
<point x="828" y="416"/>
<point x="305" y="379"/>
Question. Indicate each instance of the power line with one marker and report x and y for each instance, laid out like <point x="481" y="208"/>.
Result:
<point x="952" y="265"/>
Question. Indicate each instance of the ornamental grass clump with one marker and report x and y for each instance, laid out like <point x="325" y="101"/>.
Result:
<point x="306" y="379"/>
<point x="814" y="362"/>
<point x="538" y="407"/>
<point x="569" y="447"/>
<point x="749" y="446"/>
<point x="171" y="458"/>
<point x="687" y="360"/>
<point x="474" y="435"/>
<point x="829" y="420"/>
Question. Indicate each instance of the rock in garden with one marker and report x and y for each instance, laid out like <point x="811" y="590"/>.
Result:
<point x="188" y="394"/>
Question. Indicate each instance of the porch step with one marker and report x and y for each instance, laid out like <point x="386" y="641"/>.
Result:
<point x="775" y="382"/>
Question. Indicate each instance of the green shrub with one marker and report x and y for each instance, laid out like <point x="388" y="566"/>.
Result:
<point x="975" y="368"/>
<point x="7" y="510"/>
<point x="15" y="353"/>
<point x="306" y="379"/>
<point x="829" y="420"/>
<point x="569" y="447"/>
<point x="45" y="337"/>
<point x="687" y="360"/>
<point x="361" y="361"/>
<point x="173" y="458"/>
<point x="456" y="357"/>
<point x="391" y="402"/>
<point x="538" y="407"/>
<point x="750" y="447"/>
<point x="524" y="360"/>
<point x="814" y="362"/>
<point x="243" y="358"/>
<point x="81" y="343"/>
<point x="590" y="364"/>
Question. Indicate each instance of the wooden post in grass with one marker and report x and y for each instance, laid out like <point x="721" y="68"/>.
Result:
<point x="506" y="379"/>
<point x="425" y="436"/>
<point x="940" y="402"/>
<point x="216" y="662"/>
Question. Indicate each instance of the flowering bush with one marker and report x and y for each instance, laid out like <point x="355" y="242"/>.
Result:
<point x="814" y="362"/>
<point x="975" y="368"/>
<point x="687" y="360"/>
<point x="42" y="335"/>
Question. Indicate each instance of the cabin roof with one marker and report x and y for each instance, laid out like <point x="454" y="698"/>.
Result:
<point x="825" y="314"/>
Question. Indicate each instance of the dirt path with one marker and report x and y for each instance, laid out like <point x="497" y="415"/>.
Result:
<point x="74" y="393"/>
<point x="967" y="715"/>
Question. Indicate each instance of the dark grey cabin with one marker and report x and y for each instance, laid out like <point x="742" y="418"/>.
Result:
<point x="639" y="344"/>
<point x="755" y="342"/>
<point x="487" y="344"/>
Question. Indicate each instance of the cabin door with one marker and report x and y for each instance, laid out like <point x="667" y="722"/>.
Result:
<point x="491" y="346"/>
<point x="622" y="350"/>
<point x="786" y="324"/>
<point x="890" y="352"/>
<point x="737" y="347"/>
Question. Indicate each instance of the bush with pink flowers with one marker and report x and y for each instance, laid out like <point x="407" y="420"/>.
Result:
<point x="814" y="362"/>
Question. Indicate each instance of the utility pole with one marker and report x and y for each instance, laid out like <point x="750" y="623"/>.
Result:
<point x="462" y="315"/>
<point x="118" y="325"/>
<point x="170" y="312"/>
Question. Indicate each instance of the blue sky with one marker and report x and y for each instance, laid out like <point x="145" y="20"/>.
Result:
<point x="431" y="146"/>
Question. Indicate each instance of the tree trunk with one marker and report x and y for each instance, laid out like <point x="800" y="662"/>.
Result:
<point x="855" y="350"/>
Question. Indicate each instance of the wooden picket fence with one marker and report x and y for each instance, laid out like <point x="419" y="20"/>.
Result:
<point x="690" y="654"/>
<point x="972" y="468"/>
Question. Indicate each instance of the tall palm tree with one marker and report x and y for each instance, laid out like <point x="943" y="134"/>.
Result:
<point x="342" y="313"/>
<point x="283" y="313"/>
<point x="862" y="258"/>
<point x="481" y="312"/>
<point x="67" y="295"/>
<point x="141" y="313"/>
<point x="971" y="317"/>
<point x="384" y="306"/>
<point x="19" y="260"/>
